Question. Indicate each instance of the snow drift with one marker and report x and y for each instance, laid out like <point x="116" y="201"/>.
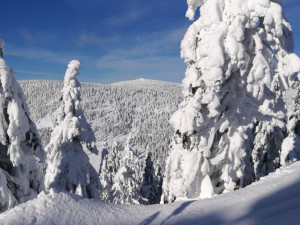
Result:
<point x="273" y="200"/>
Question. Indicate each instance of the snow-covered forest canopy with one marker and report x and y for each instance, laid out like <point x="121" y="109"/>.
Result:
<point x="141" y="108"/>
<point x="234" y="120"/>
<point x="136" y="112"/>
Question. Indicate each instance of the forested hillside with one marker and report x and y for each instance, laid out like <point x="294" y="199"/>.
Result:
<point x="141" y="107"/>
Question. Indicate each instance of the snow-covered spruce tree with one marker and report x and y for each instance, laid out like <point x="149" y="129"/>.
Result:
<point x="108" y="169"/>
<point x="127" y="181"/>
<point x="20" y="148"/>
<point x="267" y="142"/>
<point x="290" y="150"/>
<point x="231" y="123"/>
<point x="114" y="158"/>
<point x="68" y="164"/>
<point x="159" y="181"/>
<point x="105" y="175"/>
<point x="150" y="182"/>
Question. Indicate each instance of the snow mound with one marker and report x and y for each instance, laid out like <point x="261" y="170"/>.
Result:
<point x="275" y="199"/>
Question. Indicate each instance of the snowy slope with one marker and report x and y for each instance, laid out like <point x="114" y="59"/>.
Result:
<point x="273" y="200"/>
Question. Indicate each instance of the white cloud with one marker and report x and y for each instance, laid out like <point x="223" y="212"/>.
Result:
<point x="86" y="38"/>
<point x="43" y="55"/>
<point x="48" y="75"/>
<point x="30" y="37"/>
<point x="124" y="67"/>
<point x="153" y="56"/>
<point x="131" y="15"/>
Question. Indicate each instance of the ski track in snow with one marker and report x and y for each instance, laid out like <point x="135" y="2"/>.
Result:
<point x="275" y="199"/>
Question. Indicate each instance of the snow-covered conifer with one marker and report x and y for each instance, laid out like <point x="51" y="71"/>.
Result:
<point x="291" y="144"/>
<point x="1" y="48"/>
<point x="150" y="183"/>
<point x="20" y="148"/>
<point x="266" y="150"/>
<point x="127" y="181"/>
<point x="68" y="164"/>
<point x="159" y="181"/>
<point x="108" y="169"/>
<point x="105" y="175"/>
<point x="114" y="159"/>
<point x="230" y="125"/>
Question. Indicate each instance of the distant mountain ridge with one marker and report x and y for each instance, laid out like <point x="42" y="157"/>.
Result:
<point x="144" y="82"/>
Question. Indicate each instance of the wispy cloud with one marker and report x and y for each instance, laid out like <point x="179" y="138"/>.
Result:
<point x="43" y="55"/>
<point x="132" y="14"/>
<point x="143" y="65"/>
<point x="153" y="56"/>
<point x="87" y="38"/>
<point x="85" y="3"/>
<point x="30" y="37"/>
<point x="149" y="55"/>
<point x="44" y="74"/>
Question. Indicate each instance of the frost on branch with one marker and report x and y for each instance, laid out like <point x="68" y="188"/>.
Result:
<point x="72" y="138"/>
<point x="230" y="126"/>
<point x="20" y="149"/>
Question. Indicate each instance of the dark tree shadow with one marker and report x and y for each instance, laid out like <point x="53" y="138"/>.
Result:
<point x="150" y="219"/>
<point x="281" y="207"/>
<point x="179" y="210"/>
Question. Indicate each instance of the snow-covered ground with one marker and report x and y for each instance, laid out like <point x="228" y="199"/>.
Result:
<point x="275" y="199"/>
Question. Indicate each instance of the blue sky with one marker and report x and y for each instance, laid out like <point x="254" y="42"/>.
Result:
<point x="115" y="40"/>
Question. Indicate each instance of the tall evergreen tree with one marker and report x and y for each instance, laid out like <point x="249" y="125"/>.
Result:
<point x="20" y="148"/>
<point x="231" y="123"/>
<point x="150" y="183"/>
<point x="159" y="182"/>
<point x="291" y="144"/>
<point x="110" y="164"/>
<point x="68" y="164"/>
<point x="127" y="181"/>
<point x="114" y="159"/>
<point x="105" y="175"/>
